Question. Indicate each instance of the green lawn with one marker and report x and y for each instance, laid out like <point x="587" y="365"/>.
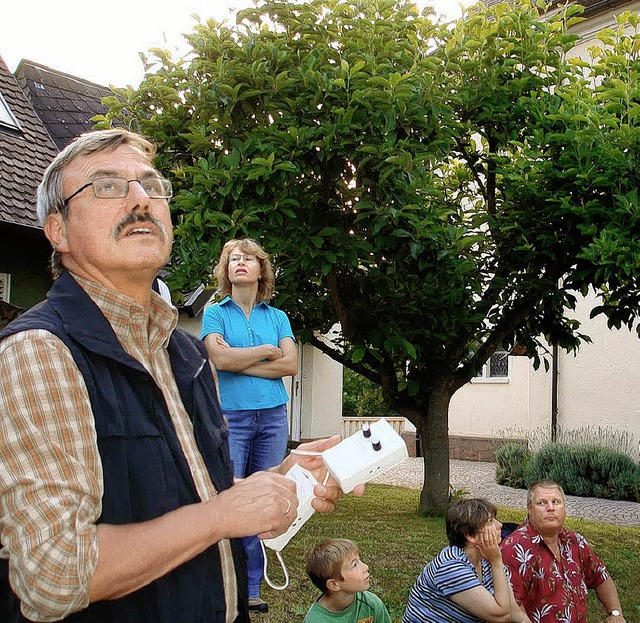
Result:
<point x="396" y="544"/>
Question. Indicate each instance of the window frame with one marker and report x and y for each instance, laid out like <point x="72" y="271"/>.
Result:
<point x="5" y="293"/>
<point x="484" y="375"/>
<point x="8" y="120"/>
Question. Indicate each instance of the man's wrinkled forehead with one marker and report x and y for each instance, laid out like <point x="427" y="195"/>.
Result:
<point x="540" y="492"/>
<point x="108" y="162"/>
<point x="144" y="172"/>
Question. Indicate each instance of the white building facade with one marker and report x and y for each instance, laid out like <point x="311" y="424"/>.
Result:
<point x="596" y="391"/>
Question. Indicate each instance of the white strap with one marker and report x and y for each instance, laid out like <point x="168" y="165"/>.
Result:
<point x="267" y="579"/>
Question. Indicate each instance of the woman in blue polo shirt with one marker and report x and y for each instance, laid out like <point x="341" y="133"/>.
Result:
<point x="252" y="347"/>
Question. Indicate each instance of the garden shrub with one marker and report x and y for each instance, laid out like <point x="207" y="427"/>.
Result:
<point x="587" y="471"/>
<point x="511" y="461"/>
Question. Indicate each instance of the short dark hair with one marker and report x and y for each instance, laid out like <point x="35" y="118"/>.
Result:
<point x="324" y="561"/>
<point x="465" y="517"/>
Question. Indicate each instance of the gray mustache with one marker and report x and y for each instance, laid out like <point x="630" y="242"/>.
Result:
<point x="135" y="218"/>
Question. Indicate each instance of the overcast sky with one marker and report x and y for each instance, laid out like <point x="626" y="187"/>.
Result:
<point x="101" y="41"/>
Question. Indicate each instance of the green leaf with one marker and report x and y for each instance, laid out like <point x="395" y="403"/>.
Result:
<point x="357" y="354"/>
<point x="417" y="184"/>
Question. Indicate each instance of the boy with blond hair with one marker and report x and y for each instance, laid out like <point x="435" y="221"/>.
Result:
<point x="334" y="566"/>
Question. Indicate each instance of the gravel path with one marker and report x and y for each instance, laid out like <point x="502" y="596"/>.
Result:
<point x="479" y="479"/>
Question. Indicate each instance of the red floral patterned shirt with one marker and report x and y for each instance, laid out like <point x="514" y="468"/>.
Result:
<point x="552" y="590"/>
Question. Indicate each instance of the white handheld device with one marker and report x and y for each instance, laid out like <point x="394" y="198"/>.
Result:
<point x="365" y="455"/>
<point x="355" y="460"/>
<point x="305" y="482"/>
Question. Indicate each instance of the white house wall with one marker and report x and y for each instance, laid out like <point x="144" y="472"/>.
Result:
<point x="321" y="410"/>
<point x="486" y="409"/>
<point x="601" y="385"/>
<point x="539" y="391"/>
<point x="597" y="388"/>
<point x="591" y="26"/>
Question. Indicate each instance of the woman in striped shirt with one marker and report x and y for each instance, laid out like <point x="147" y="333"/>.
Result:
<point x="466" y="582"/>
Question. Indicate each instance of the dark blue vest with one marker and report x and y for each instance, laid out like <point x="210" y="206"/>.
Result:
<point x="145" y="471"/>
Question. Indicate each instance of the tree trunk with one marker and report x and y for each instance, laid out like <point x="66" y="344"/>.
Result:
<point x="434" y="437"/>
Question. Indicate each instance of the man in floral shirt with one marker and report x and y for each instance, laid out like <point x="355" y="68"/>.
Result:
<point x="551" y="567"/>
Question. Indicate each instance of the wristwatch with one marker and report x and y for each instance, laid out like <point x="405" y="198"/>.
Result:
<point x="615" y="613"/>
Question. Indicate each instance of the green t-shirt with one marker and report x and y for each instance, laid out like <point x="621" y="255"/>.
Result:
<point x="366" y="608"/>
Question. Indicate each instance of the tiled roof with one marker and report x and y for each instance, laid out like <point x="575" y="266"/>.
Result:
<point x="65" y="103"/>
<point x="24" y="155"/>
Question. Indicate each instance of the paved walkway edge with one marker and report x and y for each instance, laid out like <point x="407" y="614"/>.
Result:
<point x="479" y="479"/>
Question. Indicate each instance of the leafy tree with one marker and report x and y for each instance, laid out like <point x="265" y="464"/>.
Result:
<point x="441" y="191"/>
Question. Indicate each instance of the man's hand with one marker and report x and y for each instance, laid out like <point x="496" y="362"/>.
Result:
<point x="263" y="504"/>
<point x="307" y="455"/>
<point x="615" y="619"/>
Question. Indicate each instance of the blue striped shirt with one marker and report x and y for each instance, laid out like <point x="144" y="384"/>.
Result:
<point x="449" y="573"/>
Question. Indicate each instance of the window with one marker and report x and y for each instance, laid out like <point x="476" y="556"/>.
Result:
<point x="496" y="370"/>
<point x="7" y="120"/>
<point x="5" y="287"/>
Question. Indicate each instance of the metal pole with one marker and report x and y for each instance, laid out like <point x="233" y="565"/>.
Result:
<point x="554" y="394"/>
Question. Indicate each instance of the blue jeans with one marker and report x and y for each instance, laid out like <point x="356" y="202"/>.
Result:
<point x="257" y="441"/>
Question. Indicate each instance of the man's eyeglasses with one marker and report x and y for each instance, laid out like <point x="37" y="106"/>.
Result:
<point x="248" y="259"/>
<point x="118" y="187"/>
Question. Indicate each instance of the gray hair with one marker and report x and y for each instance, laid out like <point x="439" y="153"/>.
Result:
<point x="546" y="483"/>
<point x="50" y="195"/>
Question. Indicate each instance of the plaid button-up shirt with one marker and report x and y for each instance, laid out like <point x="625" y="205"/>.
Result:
<point x="51" y="483"/>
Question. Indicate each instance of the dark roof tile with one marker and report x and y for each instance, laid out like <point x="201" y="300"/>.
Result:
<point x="52" y="108"/>
<point x="24" y="155"/>
<point x="65" y="103"/>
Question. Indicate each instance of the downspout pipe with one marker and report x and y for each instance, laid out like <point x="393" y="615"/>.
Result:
<point x="554" y="394"/>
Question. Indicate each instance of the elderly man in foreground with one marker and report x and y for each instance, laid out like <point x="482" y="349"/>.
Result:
<point x="551" y="567"/>
<point x="117" y="501"/>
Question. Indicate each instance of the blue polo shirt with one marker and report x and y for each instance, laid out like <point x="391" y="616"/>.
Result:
<point x="266" y="325"/>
